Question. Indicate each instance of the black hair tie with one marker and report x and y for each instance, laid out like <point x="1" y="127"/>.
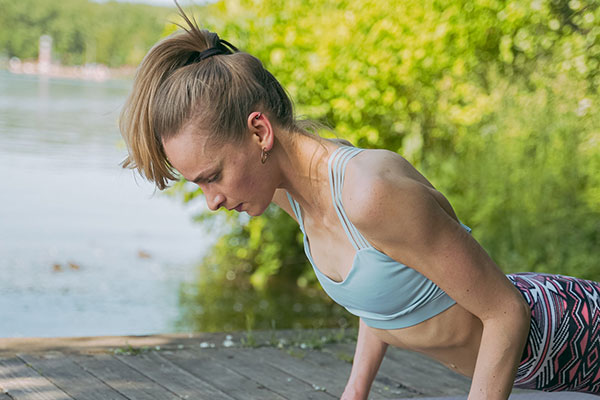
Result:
<point x="222" y="47"/>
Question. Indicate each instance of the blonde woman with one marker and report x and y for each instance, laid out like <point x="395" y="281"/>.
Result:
<point x="384" y="243"/>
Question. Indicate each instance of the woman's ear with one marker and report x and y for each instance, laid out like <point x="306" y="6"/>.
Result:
<point x="261" y="130"/>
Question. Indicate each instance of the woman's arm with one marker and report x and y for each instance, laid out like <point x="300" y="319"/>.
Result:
<point x="502" y="344"/>
<point x="367" y="359"/>
<point x="402" y="218"/>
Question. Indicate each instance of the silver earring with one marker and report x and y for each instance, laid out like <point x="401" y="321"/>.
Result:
<point x="263" y="155"/>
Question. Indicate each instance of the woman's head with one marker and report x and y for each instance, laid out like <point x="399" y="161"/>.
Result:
<point x="175" y="89"/>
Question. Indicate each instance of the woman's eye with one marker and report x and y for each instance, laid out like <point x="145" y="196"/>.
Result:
<point x="213" y="178"/>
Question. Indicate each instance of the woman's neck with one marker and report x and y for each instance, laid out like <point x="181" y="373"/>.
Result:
<point x="302" y="160"/>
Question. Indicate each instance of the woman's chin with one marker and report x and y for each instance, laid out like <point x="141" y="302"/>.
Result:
<point x="253" y="212"/>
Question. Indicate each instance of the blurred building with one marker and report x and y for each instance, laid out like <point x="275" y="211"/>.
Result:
<point x="45" y="67"/>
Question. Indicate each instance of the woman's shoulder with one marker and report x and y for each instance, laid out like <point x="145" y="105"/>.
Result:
<point x="378" y="181"/>
<point x="381" y="164"/>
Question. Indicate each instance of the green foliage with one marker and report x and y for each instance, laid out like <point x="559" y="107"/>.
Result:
<point x="527" y="180"/>
<point x="110" y="33"/>
<point x="494" y="100"/>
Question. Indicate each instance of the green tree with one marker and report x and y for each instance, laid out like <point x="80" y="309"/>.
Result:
<point x="82" y="31"/>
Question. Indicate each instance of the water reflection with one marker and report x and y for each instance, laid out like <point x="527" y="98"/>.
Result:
<point x="217" y="306"/>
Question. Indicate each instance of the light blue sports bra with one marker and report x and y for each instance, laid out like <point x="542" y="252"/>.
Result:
<point x="383" y="292"/>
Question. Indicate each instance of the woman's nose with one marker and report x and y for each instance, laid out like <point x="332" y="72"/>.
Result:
<point x="214" y="201"/>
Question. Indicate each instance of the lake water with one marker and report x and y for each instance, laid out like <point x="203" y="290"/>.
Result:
<point x="85" y="248"/>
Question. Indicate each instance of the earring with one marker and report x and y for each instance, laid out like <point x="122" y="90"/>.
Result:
<point x="263" y="155"/>
<point x="258" y="116"/>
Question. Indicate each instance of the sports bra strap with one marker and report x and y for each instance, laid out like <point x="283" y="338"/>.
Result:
<point x="296" y="210"/>
<point x="337" y="169"/>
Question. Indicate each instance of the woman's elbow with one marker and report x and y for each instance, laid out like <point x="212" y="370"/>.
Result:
<point x="522" y="309"/>
<point x="514" y="313"/>
<point x="517" y="314"/>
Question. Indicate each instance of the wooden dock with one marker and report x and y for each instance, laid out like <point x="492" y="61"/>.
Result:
<point x="265" y="365"/>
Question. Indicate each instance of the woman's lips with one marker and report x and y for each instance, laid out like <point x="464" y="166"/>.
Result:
<point x="239" y="207"/>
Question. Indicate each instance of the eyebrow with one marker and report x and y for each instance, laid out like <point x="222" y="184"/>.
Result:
<point x="203" y="176"/>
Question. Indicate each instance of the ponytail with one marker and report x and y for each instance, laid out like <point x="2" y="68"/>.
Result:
<point x="195" y="77"/>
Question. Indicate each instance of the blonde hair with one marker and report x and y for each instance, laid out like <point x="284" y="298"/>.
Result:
<point x="172" y="89"/>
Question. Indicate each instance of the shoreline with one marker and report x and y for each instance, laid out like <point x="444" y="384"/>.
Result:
<point x="88" y="72"/>
<point x="305" y="338"/>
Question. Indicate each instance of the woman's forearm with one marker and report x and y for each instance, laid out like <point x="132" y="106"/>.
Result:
<point x="367" y="359"/>
<point x="500" y="351"/>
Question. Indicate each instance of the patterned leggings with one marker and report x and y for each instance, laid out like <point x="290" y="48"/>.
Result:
<point x="563" y="347"/>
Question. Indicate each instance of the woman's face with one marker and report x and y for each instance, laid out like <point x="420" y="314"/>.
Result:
<point x="230" y="175"/>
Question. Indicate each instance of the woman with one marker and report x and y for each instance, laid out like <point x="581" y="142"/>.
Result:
<point x="216" y="116"/>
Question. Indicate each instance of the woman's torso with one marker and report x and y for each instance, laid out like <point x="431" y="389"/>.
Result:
<point x="451" y="336"/>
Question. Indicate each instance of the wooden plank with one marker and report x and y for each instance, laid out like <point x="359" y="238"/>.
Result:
<point x="70" y="377"/>
<point x="9" y="347"/>
<point x="417" y="372"/>
<point x="250" y="363"/>
<point x="425" y="374"/>
<point x="328" y="361"/>
<point x="24" y="383"/>
<point x="121" y="377"/>
<point x="332" y="380"/>
<point x="177" y="380"/>
<point x="387" y="380"/>
<point x="4" y="396"/>
<point x="383" y="387"/>
<point x="225" y="379"/>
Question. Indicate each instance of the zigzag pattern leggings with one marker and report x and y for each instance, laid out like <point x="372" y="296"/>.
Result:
<point x="563" y="347"/>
